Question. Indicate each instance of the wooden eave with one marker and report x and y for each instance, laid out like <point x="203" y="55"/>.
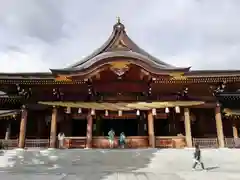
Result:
<point x="106" y="58"/>
<point x="42" y="81"/>
<point x="162" y="80"/>
<point x="122" y="106"/>
<point x="229" y="100"/>
<point x="212" y="73"/>
<point x="228" y="96"/>
<point x="26" y="78"/>
<point x="35" y="75"/>
<point x="231" y="112"/>
<point x="10" y="99"/>
<point x="183" y="79"/>
<point x="9" y="113"/>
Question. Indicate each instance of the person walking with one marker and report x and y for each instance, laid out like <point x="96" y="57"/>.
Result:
<point x="111" y="135"/>
<point x="197" y="158"/>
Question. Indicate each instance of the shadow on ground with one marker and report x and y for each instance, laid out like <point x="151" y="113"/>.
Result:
<point x="85" y="164"/>
<point x="211" y="168"/>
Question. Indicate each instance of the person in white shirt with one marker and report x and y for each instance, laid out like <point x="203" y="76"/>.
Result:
<point x="61" y="137"/>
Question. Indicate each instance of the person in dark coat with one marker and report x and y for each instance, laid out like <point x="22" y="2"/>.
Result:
<point x="197" y="158"/>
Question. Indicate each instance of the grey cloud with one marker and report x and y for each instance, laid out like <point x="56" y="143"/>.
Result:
<point x="39" y="19"/>
<point x="204" y="34"/>
<point x="14" y="48"/>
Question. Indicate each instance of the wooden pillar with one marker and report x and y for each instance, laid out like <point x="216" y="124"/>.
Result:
<point x="53" y="131"/>
<point x="8" y="130"/>
<point x="219" y="126"/>
<point x="151" y="129"/>
<point x="23" y="127"/>
<point x="235" y="129"/>
<point x="89" y="130"/>
<point x="187" y="123"/>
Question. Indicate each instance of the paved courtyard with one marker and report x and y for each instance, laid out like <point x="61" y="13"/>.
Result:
<point x="153" y="164"/>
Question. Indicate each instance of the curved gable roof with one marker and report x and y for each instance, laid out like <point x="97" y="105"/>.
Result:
<point x="119" y="44"/>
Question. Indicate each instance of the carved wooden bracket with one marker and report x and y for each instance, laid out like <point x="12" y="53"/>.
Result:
<point x="178" y="76"/>
<point x="120" y="68"/>
<point x="63" y="78"/>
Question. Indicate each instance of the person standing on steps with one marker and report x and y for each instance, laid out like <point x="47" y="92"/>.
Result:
<point x="197" y="158"/>
<point x="111" y="135"/>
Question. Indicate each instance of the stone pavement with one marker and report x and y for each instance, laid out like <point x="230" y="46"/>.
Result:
<point x="152" y="164"/>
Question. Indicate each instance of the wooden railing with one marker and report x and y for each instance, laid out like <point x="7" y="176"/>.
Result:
<point x="29" y="143"/>
<point x="137" y="142"/>
<point x="37" y="143"/>
<point x="232" y="142"/>
<point x="9" y="144"/>
<point x="131" y="142"/>
<point x="75" y="142"/>
<point x="170" y="142"/>
<point x="206" y="142"/>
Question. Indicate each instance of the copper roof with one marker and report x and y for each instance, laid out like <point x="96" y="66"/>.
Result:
<point x="119" y="44"/>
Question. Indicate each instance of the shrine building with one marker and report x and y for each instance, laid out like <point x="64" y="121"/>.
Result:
<point x="120" y="86"/>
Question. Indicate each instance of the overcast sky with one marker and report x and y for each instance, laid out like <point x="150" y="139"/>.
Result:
<point x="36" y="35"/>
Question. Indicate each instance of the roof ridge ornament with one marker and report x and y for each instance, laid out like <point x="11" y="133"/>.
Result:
<point x="119" y="25"/>
<point x="118" y="20"/>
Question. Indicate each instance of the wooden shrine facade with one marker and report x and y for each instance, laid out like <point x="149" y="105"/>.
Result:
<point x="118" y="86"/>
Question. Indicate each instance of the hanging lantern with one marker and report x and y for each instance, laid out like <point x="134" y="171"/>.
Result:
<point x="167" y="110"/>
<point x="138" y="113"/>
<point x="92" y="112"/>
<point x="177" y="109"/>
<point x="120" y="113"/>
<point x="79" y="110"/>
<point x="154" y="112"/>
<point x="106" y="113"/>
<point x="68" y="110"/>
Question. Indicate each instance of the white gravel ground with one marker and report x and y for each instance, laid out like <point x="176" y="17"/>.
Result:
<point x="169" y="164"/>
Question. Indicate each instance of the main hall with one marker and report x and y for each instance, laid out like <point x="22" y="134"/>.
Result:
<point x="120" y="86"/>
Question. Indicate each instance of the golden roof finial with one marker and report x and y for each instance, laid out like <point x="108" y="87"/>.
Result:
<point x="118" y="20"/>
